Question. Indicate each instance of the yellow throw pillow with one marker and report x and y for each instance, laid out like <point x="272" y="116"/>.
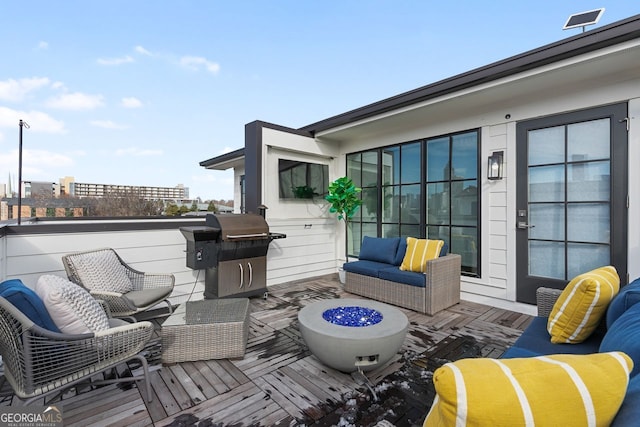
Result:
<point x="558" y="390"/>
<point x="580" y="307"/>
<point x="419" y="251"/>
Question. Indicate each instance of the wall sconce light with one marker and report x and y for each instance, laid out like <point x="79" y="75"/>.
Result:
<point x="494" y="168"/>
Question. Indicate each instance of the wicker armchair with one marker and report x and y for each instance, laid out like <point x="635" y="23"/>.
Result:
<point x="39" y="362"/>
<point x="107" y="277"/>
<point x="545" y="299"/>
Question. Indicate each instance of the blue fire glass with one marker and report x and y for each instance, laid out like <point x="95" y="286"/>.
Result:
<point x="352" y="316"/>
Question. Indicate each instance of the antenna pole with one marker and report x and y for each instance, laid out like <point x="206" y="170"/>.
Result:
<point x="21" y="124"/>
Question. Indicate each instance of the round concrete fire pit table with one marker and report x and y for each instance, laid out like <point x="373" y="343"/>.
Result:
<point x="347" y="333"/>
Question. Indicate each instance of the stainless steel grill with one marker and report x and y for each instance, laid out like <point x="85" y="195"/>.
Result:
<point x="233" y="249"/>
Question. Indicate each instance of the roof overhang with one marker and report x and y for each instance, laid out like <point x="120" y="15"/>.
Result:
<point x="581" y="44"/>
<point x="226" y="161"/>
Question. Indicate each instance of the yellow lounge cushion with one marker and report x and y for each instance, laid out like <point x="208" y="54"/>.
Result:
<point x="582" y="304"/>
<point x="558" y="390"/>
<point x="419" y="252"/>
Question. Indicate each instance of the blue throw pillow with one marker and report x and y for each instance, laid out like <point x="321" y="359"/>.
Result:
<point x="622" y="336"/>
<point x="379" y="249"/>
<point x="28" y="302"/>
<point x="628" y="296"/>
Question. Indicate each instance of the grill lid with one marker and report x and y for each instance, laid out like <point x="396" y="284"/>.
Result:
<point x="239" y="226"/>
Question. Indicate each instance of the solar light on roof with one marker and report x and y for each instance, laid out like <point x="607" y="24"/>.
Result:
<point x="583" y="19"/>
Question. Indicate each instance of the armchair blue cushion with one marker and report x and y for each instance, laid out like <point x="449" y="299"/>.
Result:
<point x="28" y="302"/>
<point x="379" y="249"/>
<point x="364" y="267"/>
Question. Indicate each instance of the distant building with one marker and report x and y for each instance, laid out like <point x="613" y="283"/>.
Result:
<point x="80" y="189"/>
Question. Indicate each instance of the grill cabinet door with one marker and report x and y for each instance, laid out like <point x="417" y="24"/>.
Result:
<point x="241" y="275"/>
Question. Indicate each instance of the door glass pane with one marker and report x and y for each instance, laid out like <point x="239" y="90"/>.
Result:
<point x="354" y="168"/>
<point x="409" y="230"/>
<point x="390" y="204"/>
<point x="588" y="140"/>
<point x="438" y="203"/>
<point x="464" y="203"/>
<point x="546" y="184"/>
<point x="354" y="238"/>
<point x="369" y="169"/>
<point x="411" y="163"/>
<point x="546" y="146"/>
<point x="438" y="159"/>
<point x="464" y="241"/>
<point x="585" y="257"/>
<point x="391" y="166"/>
<point x="464" y="157"/>
<point x="390" y="230"/>
<point x="588" y="181"/>
<point x="588" y="222"/>
<point x="439" y="232"/>
<point x="546" y="259"/>
<point x="369" y="205"/>
<point x="410" y="205"/>
<point x="369" y="229"/>
<point x="548" y="219"/>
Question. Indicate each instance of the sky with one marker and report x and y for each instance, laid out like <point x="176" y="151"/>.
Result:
<point x="139" y="92"/>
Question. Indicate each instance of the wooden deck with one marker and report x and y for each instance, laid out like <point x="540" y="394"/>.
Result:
<point x="279" y="383"/>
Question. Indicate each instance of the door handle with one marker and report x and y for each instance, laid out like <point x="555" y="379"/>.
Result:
<point x="250" y="274"/>
<point x="241" y="276"/>
<point x="523" y="225"/>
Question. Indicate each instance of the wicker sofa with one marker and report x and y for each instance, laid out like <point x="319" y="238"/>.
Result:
<point x="620" y="331"/>
<point x="377" y="275"/>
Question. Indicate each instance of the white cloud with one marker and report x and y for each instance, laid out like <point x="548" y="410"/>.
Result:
<point x="132" y="151"/>
<point x="197" y="62"/>
<point x="226" y="150"/>
<point x="143" y="51"/>
<point x="75" y="101"/>
<point x="131" y="102"/>
<point x="58" y="85"/>
<point x="34" y="162"/>
<point x="16" y="90"/>
<point x="115" y="61"/>
<point x="37" y="120"/>
<point x="43" y="45"/>
<point x="108" y="124"/>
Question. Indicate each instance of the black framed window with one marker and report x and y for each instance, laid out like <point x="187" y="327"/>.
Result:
<point x="425" y="188"/>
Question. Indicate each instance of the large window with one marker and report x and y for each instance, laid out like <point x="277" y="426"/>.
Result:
<point x="426" y="188"/>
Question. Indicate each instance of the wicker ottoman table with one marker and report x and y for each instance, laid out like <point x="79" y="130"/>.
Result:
<point x="207" y="329"/>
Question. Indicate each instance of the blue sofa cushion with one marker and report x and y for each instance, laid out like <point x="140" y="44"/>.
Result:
<point x="536" y="340"/>
<point x="379" y="249"/>
<point x="394" y="274"/>
<point x="402" y="249"/>
<point x="28" y="302"/>
<point x="622" y="336"/>
<point x="629" y="413"/>
<point x="628" y="296"/>
<point x="367" y="268"/>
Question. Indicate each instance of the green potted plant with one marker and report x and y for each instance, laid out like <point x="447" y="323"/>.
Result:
<point x="345" y="202"/>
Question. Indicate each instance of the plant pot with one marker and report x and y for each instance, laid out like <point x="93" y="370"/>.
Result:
<point x="342" y="275"/>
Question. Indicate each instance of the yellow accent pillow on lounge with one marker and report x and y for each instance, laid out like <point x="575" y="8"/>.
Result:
<point x="558" y="390"/>
<point x="580" y="307"/>
<point x="419" y="251"/>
